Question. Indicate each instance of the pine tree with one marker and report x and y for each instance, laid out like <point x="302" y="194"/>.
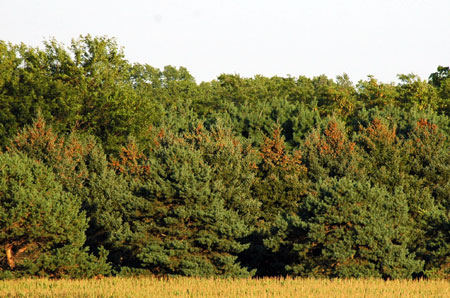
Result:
<point x="328" y="152"/>
<point x="348" y="229"/>
<point x="280" y="185"/>
<point x="430" y="162"/>
<point x="82" y="169"/>
<point x="192" y="204"/>
<point x="41" y="225"/>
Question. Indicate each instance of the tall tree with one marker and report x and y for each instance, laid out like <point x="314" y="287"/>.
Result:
<point x="41" y="225"/>
<point x="280" y="186"/>
<point x="193" y="202"/>
<point x="348" y="228"/>
<point x="81" y="168"/>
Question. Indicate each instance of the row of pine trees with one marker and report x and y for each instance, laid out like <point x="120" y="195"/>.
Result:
<point x="115" y="168"/>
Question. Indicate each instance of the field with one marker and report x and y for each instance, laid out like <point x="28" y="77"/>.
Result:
<point x="198" y="287"/>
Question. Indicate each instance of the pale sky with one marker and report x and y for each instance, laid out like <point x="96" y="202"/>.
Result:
<point x="283" y="37"/>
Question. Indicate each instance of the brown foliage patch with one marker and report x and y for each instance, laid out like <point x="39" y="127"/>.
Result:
<point x="273" y="152"/>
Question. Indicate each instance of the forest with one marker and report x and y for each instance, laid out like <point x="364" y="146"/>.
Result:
<point x="115" y="168"/>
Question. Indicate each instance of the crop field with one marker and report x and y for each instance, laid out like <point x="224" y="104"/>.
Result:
<point x="204" y="287"/>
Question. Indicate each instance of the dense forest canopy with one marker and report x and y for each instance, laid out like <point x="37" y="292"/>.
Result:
<point x="109" y="167"/>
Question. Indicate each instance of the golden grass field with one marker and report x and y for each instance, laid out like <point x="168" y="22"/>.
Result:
<point x="203" y="287"/>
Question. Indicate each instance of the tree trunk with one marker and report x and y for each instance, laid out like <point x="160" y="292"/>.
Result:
<point x="10" y="256"/>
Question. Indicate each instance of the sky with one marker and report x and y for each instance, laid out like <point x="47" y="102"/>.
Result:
<point x="382" y="38"/>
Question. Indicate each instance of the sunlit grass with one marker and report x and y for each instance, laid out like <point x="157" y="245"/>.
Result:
<point x="204" y="287"/>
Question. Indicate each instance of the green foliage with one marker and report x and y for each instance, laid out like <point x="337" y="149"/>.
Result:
<point x="328" y="152"/>
<point x="90" y="85"/>
<point x="373" y="93"/>
<point x="238" y="176"/>
<point x="281" y="180"/>
<point x="335" y="97"/>
<point x="415" y="92"/>
<point x="417" y="160"/>
<point x="430" y="161"/>
<point x="41" y="226"/>
<point x="438" y="77"/>
<point x="252" y="107"/>
<point x="80" y="166"/>
<point x="280" y="185"/>
<point x="348" y="229"/>
<point x="441" y="80"/>
<point x="192" y="201"/>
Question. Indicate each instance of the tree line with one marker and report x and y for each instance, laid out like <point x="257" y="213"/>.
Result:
<point x="115" y="168"/>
